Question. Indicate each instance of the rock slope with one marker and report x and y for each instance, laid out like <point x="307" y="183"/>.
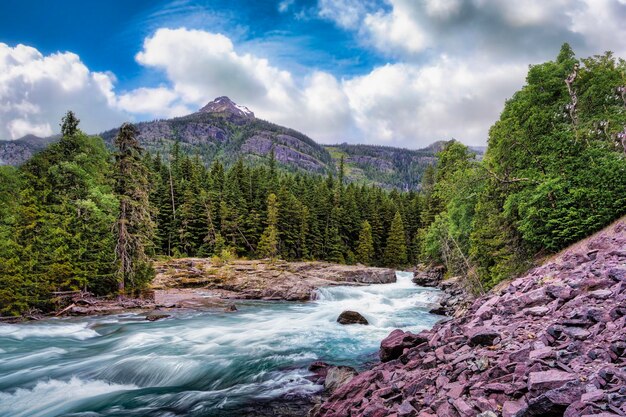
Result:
<point x="551" y="343"/>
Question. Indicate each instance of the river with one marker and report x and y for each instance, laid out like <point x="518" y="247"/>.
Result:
<point x="197" y="363"/>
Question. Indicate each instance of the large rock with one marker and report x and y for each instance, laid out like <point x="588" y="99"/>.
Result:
<point x="554" y="402"/>
<point x="393" y="345"/>
<point x="428" y="277"/>
<point x="246" y="279"/>
<point x="351" y="317"/>
<point x="539" y="382"/>
<point x="483" y="336"/>
<point x="338" y="376"/>
<point x="154" y="316"/>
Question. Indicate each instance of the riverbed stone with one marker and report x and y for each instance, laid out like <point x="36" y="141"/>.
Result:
<point x="351" y="317"/>
<point x="154" y="316"/>
<point x="337" y="376"/>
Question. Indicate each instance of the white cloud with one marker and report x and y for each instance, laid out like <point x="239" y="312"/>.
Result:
<point x="202" y="65"/>
<point x="346" y="13"/>
<point x="408" y="105"/>
<point x="396" y="104"/>
<point x="159" y="102"/>
<point x="396" y="30"/>
<point x="20" y="127"/>
<point x="442" y="8"/>
<point x="36" y="90"/>
<point x="284" y="5"/>
<point x="600" y="22"/>
<point x="408" y="28"/>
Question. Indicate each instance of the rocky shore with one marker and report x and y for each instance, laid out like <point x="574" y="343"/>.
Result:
<point x="262" y="280"/>
<point x="197" y="283"/>
<point x="551" y="343"/>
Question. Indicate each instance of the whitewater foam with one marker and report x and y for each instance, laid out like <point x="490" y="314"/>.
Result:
<point x="78" y="331"/>
<point x="54" y="397"/>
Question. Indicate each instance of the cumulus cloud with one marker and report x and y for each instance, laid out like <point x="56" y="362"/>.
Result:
<point x="346" y="13"/>
<point x="160" y="102"/>
<point x="453" y="64"/>
<point x="398" y="104"/>
<point x="413" y="106"/>
<point x="523" y="29"/>
<point x="36" y="90"/>
<point x="201" y="66"/>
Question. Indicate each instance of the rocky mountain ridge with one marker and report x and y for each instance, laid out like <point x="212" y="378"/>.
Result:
<point x="225" y="130"/>
<point x="551" y="343"/>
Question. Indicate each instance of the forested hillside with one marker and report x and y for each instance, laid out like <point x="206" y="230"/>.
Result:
<point x="77" y="216"/>
<point x="554" y="172"/>
<point x="383" y="165"/>
<point x="221" y="130"/>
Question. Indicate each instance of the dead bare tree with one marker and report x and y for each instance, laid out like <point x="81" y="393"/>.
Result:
<point x="571" y="107"/>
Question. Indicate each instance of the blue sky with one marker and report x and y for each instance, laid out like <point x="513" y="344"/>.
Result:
<point x="108" y="34"/>
<point x="393" y="72"/>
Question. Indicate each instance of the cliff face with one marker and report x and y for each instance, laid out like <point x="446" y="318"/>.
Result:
<point x="552" y="343"/>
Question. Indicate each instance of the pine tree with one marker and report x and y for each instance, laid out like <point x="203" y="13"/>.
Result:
<point x="395" y="251"/>
<point x="268" y="245"/>
<point x="69" y="124"/>
<point x="365" y="246"/>
<point x="134" y="226"/>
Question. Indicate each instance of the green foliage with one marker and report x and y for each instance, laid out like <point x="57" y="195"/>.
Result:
<point x="69" y="125"/>
<point x="365" y="246"/>
<point x="553" y="173"/>
<point x="134" y="228"/>
<point x="268" y="244"/>
<point x="55" y="224"/>
<point x="395" y="250"/>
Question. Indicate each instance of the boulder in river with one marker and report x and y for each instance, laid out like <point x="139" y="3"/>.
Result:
<point x="154" y="316"/>
<point x="230" y="308"/>
<point x="351" y="317"/>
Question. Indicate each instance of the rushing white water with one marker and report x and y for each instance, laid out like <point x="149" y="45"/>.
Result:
<point x="196" y="363"/>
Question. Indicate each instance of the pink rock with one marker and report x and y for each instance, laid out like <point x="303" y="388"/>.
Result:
<point x="542" y="353"/>
<point x="547" y="380"/>
<point x="512" y="408"/>
<point x="483" y="336"/>
<point x="393" y="345"/>
<point x="406" y="409"/>
<point x="463" y="408"/>
<point x="592" y="396"/>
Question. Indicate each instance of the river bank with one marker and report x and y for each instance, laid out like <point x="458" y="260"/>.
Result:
<point x="200" y="283"/>
<point x="550" y="343"/>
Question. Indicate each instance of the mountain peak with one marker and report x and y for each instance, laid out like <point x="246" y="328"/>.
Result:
<point x="226" y="105"/>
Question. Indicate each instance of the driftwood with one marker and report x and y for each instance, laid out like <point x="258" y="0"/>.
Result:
<point x="65" y="293"/>
<point x="65" y="309"/>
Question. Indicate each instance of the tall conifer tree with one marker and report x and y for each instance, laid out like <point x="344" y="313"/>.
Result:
<point x="134" y="227"/>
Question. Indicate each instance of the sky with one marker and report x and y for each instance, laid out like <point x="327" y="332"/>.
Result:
<point x="389" y="72"/>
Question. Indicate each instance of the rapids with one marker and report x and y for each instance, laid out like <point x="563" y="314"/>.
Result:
<point x="197" y="363"/>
